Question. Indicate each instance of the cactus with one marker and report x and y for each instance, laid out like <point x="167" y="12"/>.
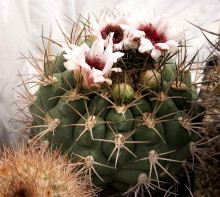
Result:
<point x="204" y="183"/>
<point x="28" y="170"/>
<point x="120" y="104"/>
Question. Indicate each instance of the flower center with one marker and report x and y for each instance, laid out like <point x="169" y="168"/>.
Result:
<point x="118" y="33"/>
<point x="95" y="63"/>
<point x="152" y="35"/>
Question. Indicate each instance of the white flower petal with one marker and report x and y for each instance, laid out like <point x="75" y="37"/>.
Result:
<point x="71" y="66"/>
<point x="104" y="20"/>
<point x="126" y="27"/>
<point x="97" y="76"/>
<point x="145" y="46"/>
<point x="98" y="48"/>
<point x="116" y="56"/>
<point x="84" y="48"/>
<point x="69" y="56"/>
<point x="85" y="65"/>
<point x="108" y="66"/>
<point x="74" y="54"/>
<point x="107" y="53"/>
<point x="129" y="44"/>
<point x="140" y="17"/>
<point x="117" y="70"/>
<point x="99" y="79"/>
<point x="155" y="54"/>
<point x="173" y="46"/>
<point x="109" y="39"/>
<point x="85" y="73"/>
<point x="175" y="34"/>
<point x="109" y="81"/>
<point x="119" y="46"/>
<point x="145" y="41"/>
<point x="90" y="54"/>
<point x="162" y="46"/>
<point x="138" y="34"/>
<point x="121" y="20"/>
<point x="161" y="24"/>
<point x="94" y="28"/>
<point x="66" y="49"/>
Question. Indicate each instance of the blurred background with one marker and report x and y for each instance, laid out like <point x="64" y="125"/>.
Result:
<point x="21" y="24"/>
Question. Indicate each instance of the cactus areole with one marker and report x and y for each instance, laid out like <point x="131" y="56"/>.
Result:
<point x="121" y="113"/>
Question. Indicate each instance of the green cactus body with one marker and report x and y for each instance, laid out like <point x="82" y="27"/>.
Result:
<point x="114" y="137"/>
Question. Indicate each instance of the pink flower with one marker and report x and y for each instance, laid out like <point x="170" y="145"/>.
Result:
<point x="115" y="31"/>
<point x="94" y="64"/>
<point x="158" y="37"/>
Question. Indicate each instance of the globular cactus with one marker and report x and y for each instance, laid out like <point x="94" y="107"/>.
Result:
<point x="33" y="171"/>
<point x="118" y="102"/>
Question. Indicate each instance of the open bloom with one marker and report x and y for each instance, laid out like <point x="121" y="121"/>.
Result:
<point x="115" y="31"/>
<point x="159" y="37"/>
<point x="94" y="64"/>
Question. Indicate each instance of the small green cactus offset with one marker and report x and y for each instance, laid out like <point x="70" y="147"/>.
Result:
<point x="117" y="101"/>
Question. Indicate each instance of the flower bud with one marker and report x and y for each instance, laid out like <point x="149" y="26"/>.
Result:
<point x="151" y="79"/>
<point x="123" y="92"/>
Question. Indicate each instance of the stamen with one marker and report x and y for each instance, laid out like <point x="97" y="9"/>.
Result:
<point x="152" y="34"/>
<point x="95" y="63"/>
<point x="118" y="33"/>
